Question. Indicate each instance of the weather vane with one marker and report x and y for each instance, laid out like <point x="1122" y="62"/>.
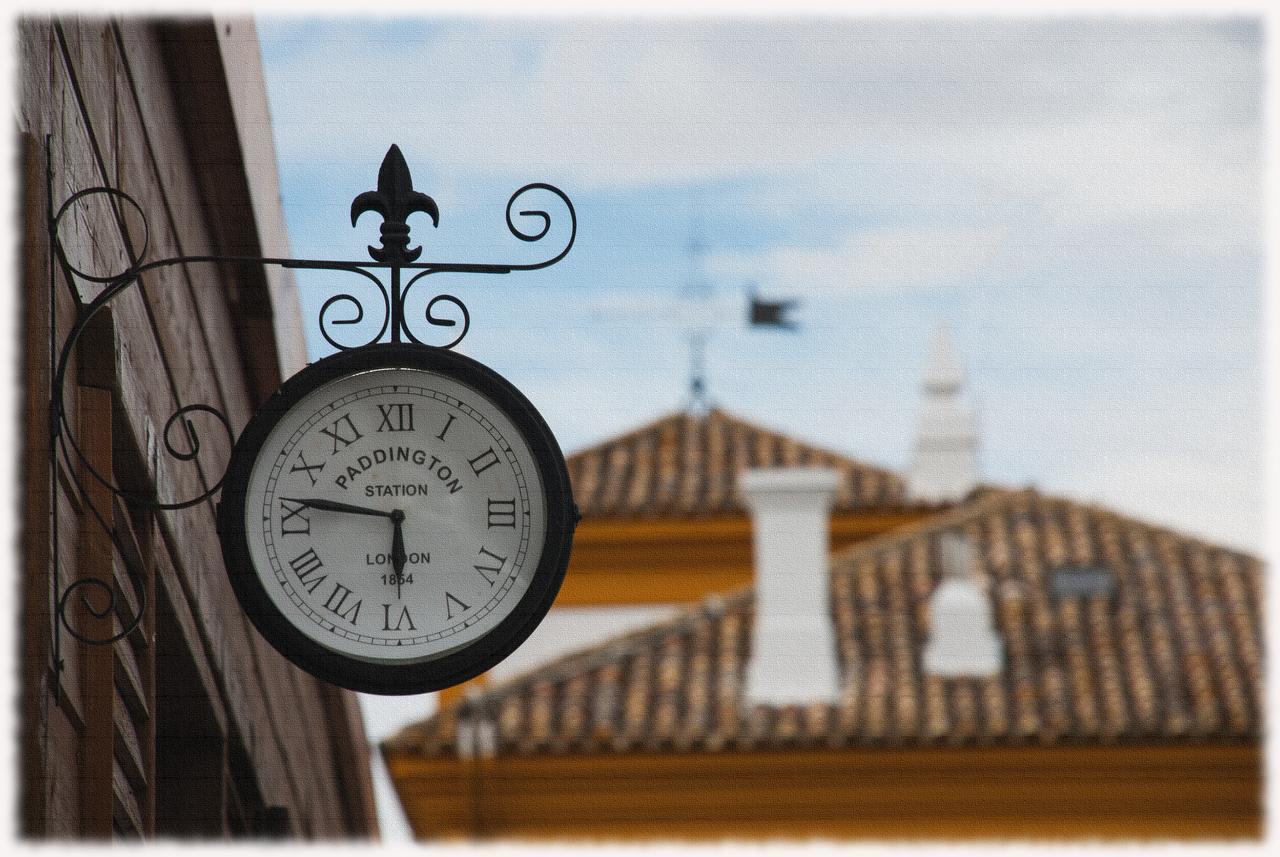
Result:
<point x="697" y="295"/>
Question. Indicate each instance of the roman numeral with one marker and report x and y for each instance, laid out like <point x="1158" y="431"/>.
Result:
<point x="502" y="513"/>
<point x="336" y="602"/>
<point x="484" y="461"/>
<point x="342" y="438"/>
<point x="302" y="465"/>
<point x="306" y="565"/>
<point x="294" y="510"/>
<point x="449" y="601"/>
<point x="396" y="417"/>
<point x="494" y="568"/>
<point x="404" y="617"/>
<point x="445" y="430"/>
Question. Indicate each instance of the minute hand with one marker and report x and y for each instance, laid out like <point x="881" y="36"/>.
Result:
<point x="335" y="506"/>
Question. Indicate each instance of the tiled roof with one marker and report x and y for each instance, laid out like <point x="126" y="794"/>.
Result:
<point x="687" y="464"/>
<point x="1175" y="653"/>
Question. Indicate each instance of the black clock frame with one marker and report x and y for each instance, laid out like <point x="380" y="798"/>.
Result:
<point x="449" y="669"/>
<point x="394" y="200"/>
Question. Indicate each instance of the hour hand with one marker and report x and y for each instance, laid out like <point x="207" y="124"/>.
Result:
<point x="398" y="555"/>
<point x="335" y="506"/>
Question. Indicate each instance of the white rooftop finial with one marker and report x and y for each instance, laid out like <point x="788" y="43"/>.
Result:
<point x="944" y="463"/>
<point x="943" y="373"/>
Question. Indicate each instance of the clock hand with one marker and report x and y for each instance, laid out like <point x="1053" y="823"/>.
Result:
<point x="335" y="506"/>
<point x="398" y="555"/>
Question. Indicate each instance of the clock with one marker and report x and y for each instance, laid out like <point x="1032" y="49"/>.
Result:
<point x="396" y="519"/>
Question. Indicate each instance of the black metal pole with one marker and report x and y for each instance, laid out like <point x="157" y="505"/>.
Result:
<point x="397" y="304"/>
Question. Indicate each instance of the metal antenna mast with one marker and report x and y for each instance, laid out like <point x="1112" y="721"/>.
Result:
<point x="697" y="293"/>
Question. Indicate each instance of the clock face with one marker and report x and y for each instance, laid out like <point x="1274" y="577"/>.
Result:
<point x="396" y="519"/>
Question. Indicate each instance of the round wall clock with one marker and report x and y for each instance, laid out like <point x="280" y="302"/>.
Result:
<point x="396" y="519"/>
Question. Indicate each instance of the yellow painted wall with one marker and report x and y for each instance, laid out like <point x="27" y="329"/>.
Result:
<point x="1179" y="791"/>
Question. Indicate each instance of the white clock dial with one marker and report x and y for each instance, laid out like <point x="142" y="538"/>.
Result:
<point x="386" y="449"/>
<point x="396" y="519"/>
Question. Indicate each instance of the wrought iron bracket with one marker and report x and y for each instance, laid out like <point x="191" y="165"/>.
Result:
<point x="394" y="200"/>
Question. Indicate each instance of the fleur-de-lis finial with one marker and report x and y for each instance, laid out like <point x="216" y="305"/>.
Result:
<point x="395" y="199"/>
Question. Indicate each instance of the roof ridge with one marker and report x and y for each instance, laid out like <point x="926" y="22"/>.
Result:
<point x="581" y="660"/>
<point x="779" y="434"/>
<point x="628" y="435"/>
<point x="655" y="469"/>
<point x="1128" y="519"/>
<point x="733" y="419"/>
<point x="991" y="496"/>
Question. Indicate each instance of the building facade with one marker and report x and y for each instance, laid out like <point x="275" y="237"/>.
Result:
<point x="190" y="725"/>
<point x="863" y="656"/>
<point x="1127" y="703"/>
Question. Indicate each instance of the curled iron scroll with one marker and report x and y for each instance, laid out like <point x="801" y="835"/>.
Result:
<point x="349" y="301"/>
<point x="113" y="195"/>
<point x="93" y="583"/>
<point x="116" y="284"/>
<point x="546" y="223"/>
<point x="441" y="321"/>
<point x="434" y="319"/>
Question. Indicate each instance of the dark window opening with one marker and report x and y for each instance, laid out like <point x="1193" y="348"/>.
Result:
<point x="1082" y="582"/>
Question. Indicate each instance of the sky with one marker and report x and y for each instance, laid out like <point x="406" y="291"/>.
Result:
<point x="1080" y="201"/>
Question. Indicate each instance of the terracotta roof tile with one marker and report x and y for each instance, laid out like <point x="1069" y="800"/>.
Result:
<point x="686" y="465"/>
<point x="1173" y="652"/>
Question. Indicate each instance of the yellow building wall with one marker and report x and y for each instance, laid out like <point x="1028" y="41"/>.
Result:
<point x="1171" y="791"/>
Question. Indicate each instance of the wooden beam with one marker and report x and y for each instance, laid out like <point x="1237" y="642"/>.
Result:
<point x="95" y="561"/>
<point x="37" y="503"/>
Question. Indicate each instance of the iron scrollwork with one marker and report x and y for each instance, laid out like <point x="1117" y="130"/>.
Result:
<point x="394" y="200"/>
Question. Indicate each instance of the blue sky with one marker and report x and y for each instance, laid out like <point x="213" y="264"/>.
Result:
<point x="1079" y="200"/>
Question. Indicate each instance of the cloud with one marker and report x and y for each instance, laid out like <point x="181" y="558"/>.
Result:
<point x="612" y="103"/>
<point x="873" y="258"/>
<point x="1182" y="454"/>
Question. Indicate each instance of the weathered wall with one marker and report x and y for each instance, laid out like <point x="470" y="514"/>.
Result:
<point x="193" y="724"/>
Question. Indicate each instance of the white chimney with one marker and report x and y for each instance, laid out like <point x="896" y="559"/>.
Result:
<point x="793" y="646"/>
<point x="963" y="640"/>
<point x="944" y="465"/>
